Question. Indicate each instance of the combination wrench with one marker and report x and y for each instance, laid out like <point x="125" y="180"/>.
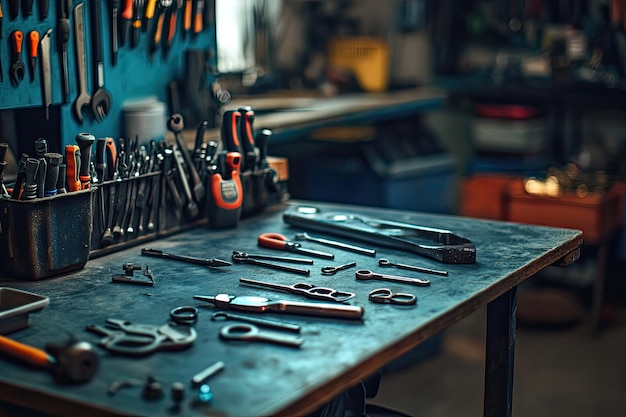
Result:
<point x="84" y="98"/>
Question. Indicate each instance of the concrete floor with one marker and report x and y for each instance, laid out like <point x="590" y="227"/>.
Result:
<point x="558" y="372"/>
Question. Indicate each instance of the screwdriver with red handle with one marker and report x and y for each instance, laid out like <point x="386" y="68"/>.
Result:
<point x="72" y="170"/>
<point x="280" y="242"/>
<point x="33" y="47"/>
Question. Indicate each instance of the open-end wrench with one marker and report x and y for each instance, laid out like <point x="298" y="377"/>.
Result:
<point x="100" y="99"/>
<point x="365" y="275"/>
<point x="84" y="98"/>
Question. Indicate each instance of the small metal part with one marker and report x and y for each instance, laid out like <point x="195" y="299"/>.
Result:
<point x="331" y="270"/>
<point x="270" y="324"/>
<point x="386" y="262"/>
<point x="365" y="275"/>
<point x="207" y="373"/>
<point x="184" y="314"/>
<point x="205" y="395"/>
<point x="178" y="392"/>
<point x="116" y="386"/>
<point x="129" y="269"/>
<point x="336" y="244"/>
<point x="249" y="332"/>
<point x="152" y="390"/>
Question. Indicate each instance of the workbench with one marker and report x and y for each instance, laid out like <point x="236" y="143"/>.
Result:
<point x="264" y="379"/>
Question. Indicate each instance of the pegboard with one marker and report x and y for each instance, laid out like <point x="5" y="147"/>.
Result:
<point x="134" y="76"/>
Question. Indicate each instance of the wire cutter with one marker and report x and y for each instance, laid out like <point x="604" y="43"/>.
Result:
<point x="125" y="338"/>
<point x="280" y="242"/>
<point x="438" y="244"/>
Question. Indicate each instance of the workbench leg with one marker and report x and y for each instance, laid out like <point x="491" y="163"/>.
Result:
<point x="500" y="352"/>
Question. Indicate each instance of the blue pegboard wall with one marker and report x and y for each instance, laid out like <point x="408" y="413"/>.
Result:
<point x="134" y="76"/>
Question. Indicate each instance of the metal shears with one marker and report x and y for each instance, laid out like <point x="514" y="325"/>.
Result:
<point x="126" y="338"/>
<point x="439" y="244"/>
<point x="304" y="289"/>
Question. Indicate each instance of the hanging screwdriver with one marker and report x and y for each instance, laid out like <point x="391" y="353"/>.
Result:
<point x="115" y="10"/>
<point x="280" y="242"/>
<point x="188" y="14"/>
<point x="199" y="17"/>
<point x="43" y="6"/>
<point x="27" y="7"/>
<point x="14" y="9"/>
<point x="62" y="37"/>
<point x="127" y="17"/>
<point x="33" y="46"/>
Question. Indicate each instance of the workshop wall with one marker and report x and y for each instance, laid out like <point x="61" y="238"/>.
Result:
<point x="134" y="76"/>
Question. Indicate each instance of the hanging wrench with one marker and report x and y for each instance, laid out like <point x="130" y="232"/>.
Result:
<point x="365" y="275"/>
<point x="46" y="87"/>
<point x="84" y="98"/>
<point x="101" y="99"/>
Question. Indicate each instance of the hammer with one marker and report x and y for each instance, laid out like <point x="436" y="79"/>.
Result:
<point x="74" y="362"/>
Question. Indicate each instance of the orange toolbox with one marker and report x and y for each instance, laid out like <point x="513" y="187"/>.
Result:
<point x="598" y="215"/>
<point x="484" y="195"/>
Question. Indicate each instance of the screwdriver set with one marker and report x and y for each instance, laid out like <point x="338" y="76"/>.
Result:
<point x="103" y="195"/>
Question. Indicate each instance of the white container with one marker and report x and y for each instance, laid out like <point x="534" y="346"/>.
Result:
<point x="145" y="119"/>
<point x="510" y="136"/>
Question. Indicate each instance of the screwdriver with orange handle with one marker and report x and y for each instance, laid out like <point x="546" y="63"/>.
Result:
<point x="33" y="47"/>
<point x="280" y="242"/>
<point x="199" y="17"/>
<point x="171" y="26"/>
<point x="30" y="354"/>
<point x="127" y="17"/>
<point x="72" y="161"/>
<point x="188" y="14"/>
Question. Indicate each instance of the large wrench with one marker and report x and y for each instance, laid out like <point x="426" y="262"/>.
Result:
<point x="84" y="98"/>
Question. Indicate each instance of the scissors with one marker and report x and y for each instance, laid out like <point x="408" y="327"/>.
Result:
<point x="126" y="338"/>
<point x="386" y="296"/>
<point x="304" y="289"/>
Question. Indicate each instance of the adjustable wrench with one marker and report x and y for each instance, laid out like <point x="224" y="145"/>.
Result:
<point x="46" y="87"/>
<point x="84" y="98"/>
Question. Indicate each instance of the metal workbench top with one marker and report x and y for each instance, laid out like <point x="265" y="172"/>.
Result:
<point x="265" y="379"/>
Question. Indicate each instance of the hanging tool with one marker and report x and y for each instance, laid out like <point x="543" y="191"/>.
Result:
<point x="176" y="125"/>
<point x="72" y="159"/>
<point x="442" y="245"/>
<point x="187" y="17"/>
<point x="74" y="362"/>
<point x="84" y="98"/>
<point x="126" y="338"/>
<point x="157" y="35"/>
<point x="14" y="9"/>
<point x="280" y="242"/>
<point x="386" y="262"/>
<point x="248" y="332"/>
<point x="17" y="66"/>
<point x="150" y="10"/>
<point x="85" y="141"/>
<point x="335" y="244"/>
<point x="136" y="24"/>
<point x="365" y="275"/>
<point x="199" y="17"/>
<point x="243" y="258"/>
<point x="386" y="296"/>
<point x="213" y="262"/>
<point x="43" y="6"/>
<point x="100" y="99"/>
<point x="171" y="25"/>
<point x="33" y="49"/>
<point x="62" y="37"/>
<point x="264" y="305"/>
<point x="115" y="11"/>
<point x="27" y="7"/>
<point x="304" y="289"/>
<point x="127" y="18"/>
<point x="270" y="324"/>
<point x="230" y="133"/>
<point x="1" y="32"/>
<point x="46" y="76"/>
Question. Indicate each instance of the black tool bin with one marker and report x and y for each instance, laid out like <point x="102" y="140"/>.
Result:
<point x="44" y="237"/>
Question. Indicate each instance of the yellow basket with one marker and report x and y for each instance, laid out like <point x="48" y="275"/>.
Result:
<point x="367" y="58"/>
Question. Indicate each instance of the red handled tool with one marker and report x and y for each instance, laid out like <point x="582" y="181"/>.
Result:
<point x="72" y="160"/>
<point x="127" y="17"/>
<point x="33" y="46"/>
<point x="246" y="136"/>
<point x="198" y="17"/>
<point x="280" y="242"/>
<point x="188" y="14"/>
<point x="226" y="194"/>
<point x="17" y="66"/>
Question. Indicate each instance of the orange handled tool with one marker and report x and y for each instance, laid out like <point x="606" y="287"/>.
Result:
<point x="150" y="8"/>
<point x="32" y="355"/>
<point x="33" y="47"/>
<point x="188" y="14"/>
<point x="280" y="242"/>
<point x="199" y="17"/>
<point x="127" y="17"/>
<point x="72" y="160"/>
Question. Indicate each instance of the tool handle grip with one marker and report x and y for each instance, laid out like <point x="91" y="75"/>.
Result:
<point x="188" y="15"/>
<point x="72" y="160"/>
<point x="43" y="6"/>
<point x="150" y="8"/>
<point x="17" y="38"/>
<point x="198" y="22"/>
<point x="33" y="43"/>
<point x="127" y="12"/>
<point x="27" y="353"/>
<point x="317" y="309"/>
<point x="272" y="241"/>
<point x="96" y="31"/>
<point x="230" y="136"/>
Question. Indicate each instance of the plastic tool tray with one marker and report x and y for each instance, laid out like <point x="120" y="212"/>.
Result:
<point x="16" y="306"/>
